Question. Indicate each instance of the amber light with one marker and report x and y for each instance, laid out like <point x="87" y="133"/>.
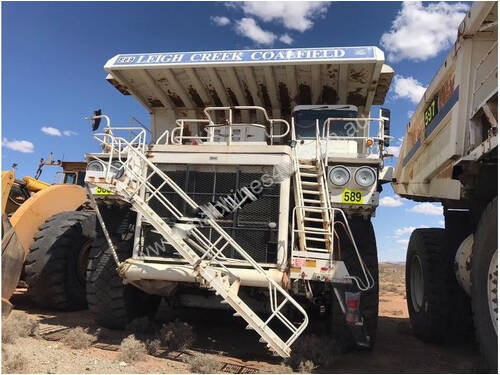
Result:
<point x="369" y="142"/>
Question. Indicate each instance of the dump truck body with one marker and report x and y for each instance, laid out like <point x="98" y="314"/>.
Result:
<point x="450" y="155"/>
<point x="253" y="160"/>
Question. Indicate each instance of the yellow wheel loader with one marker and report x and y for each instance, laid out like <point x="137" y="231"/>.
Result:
<point x="47" y="234"/>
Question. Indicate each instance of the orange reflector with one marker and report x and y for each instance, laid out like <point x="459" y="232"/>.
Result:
<point x="369" y="142"/>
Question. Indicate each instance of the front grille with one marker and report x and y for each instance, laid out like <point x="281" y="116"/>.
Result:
<point x="249" y="226"/>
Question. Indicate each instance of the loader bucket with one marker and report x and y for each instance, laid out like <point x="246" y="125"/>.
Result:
<point x="13" y="256"/>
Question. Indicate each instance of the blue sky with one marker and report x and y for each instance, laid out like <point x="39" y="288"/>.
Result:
<point x="53" y="54"/>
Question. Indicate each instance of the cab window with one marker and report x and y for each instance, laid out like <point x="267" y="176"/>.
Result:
<point x="81" y="178"/>
<point x="305" y="123"/>
<point x="69" y="178"/>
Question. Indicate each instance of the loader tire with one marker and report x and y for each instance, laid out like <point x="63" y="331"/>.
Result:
<point x="484" y="277"/>
<point x="56" y="265"/>
<point x="113" y="303"/>
<point x="364" y="237"/>
<point x="431" y="286"/>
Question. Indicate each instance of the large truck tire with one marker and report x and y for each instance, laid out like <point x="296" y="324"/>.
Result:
<point x="113" y="303"/>
<point x="484" y="277"/>
<point x="56" y="265"/>
<point x="432" y="289"/>
<point x="364" y="235"/>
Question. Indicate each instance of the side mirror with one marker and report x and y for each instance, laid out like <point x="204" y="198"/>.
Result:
<point x="384" y="112"/>
<point x="96" y="121"/>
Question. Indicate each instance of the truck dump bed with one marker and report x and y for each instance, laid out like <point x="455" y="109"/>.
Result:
<point x="181" y="84"/>
<point x="454" y="120"/>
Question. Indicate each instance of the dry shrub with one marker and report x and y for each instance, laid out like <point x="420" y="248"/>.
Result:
<point x="306" y="367"/>
<point x="319" y="351"/>
<point x="152" y="346"/>
<point x="18" y="325"/>
<point x="176" y="336"/>
<point x="204" y="365"/>
<point x="12" y="362"/>
<point x="132" y="350"/>
<point x="78" y="338"/>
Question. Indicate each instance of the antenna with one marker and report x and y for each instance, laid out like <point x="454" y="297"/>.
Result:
<point x="132" y="118"/>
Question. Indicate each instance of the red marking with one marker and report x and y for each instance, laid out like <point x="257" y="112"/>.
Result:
<point x="353" y="303"/>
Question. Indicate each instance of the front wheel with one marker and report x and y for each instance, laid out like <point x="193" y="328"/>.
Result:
<point x="114" y="304"/>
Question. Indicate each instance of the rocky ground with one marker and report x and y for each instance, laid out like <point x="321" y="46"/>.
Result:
<point x="222" y="345"/>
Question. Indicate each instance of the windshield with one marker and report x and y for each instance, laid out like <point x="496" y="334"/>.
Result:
<point x="305" y="122"/>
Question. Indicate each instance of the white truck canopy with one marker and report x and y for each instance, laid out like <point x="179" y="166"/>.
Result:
<point x="276" y="79"/>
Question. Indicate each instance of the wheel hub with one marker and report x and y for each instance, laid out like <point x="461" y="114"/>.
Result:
<point x="417" y="283"/>
<point x="492" y="286"/>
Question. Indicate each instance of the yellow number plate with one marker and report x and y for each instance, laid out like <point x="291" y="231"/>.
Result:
<point x="352" y="196"/>
<point x="101" y="191"/>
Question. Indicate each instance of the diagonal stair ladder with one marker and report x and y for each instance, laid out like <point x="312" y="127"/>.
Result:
<point x="206" y="256"/>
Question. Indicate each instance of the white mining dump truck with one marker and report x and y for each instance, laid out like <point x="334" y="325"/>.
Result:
<point x="450" y="155"/>
<point x="254" y="190"/>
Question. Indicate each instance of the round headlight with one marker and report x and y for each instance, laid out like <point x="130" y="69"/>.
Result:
<point x="117" y="168"/>
<point x="365" y="176"/>
<point x="339" y="176"/>
<point x="95" y="166"/>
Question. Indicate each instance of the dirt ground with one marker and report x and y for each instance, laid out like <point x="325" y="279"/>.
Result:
<point x="222" y="338"/>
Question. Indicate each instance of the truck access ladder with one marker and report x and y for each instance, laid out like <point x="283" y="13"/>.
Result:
<point x="207" y="258"/>
<point x="313" y="214"/>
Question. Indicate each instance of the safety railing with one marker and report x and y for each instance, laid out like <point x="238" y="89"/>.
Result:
<point x="211" y="123"/>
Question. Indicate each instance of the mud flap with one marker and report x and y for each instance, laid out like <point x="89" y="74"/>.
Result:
<point x="13" y="256"/>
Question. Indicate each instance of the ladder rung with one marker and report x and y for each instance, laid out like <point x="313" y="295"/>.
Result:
<point x="315" y="192"/>
<point x="317" y="230"/>
<point x="316" y="249"/>
<point x="310" y="183"/>
<point x="313" y="219"/>
<point x="307" y="166"/>
<point x="315" y="239"/>
<point x="308" y="174"/>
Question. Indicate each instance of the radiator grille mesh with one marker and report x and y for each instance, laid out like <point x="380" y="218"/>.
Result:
<point x="249" y="226"/>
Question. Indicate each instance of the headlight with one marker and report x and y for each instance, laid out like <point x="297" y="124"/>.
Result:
<point x="95" y="166"/>
<point x="339" y="176"/>
<point x="365" y="176"/>
<point x="117" y="168"/>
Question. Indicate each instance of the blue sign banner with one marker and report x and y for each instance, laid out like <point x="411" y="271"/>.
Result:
<point x="246" y="56"/>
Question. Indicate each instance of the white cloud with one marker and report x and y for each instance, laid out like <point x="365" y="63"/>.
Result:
<point x="402" y="231"/>
<point x="21" y="146"/>
<point x="51" y="131"/>
<point x="408" y="88"/>
<point x="403" y="242"/>
<point x="287" y="39"/>
<point x="69" y="133"/>
<point x="394" y="150"/>
<point x="294" y="15"/>
<point x="420" y="32"/>
<point x="393" y="201"/>
<point x="426" y="209"/>
<point x="220" y="20"/>
<point x="249" y="28"/>
<point x="441" y="222"/>
<point x="410" y="113"/>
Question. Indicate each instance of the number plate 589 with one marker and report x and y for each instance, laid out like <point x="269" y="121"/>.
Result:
<point x="352" y="196"/>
